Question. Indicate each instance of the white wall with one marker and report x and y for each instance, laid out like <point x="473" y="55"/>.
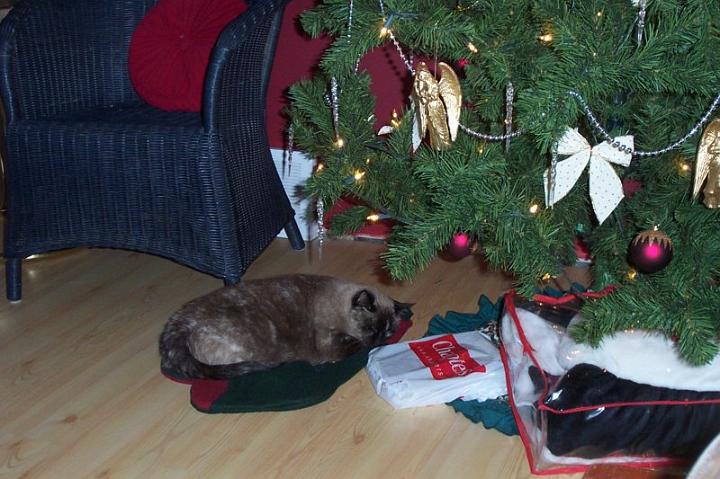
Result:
<point x="293" y="178"/>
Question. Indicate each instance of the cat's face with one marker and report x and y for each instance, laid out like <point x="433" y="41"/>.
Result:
<point x="374" y="318"/>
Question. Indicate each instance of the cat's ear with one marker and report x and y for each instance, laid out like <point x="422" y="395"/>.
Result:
<point x="403" y="309"/>
<point x="364" y="299"/>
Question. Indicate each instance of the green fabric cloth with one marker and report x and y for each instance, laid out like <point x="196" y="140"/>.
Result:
<point x="493" y="414"/>
<point x="289" y="386"/>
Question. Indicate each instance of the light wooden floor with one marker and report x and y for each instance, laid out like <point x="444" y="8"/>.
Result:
<point x="82" y="395"/>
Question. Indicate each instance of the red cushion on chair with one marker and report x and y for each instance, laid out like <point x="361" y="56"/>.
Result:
<point x="170" y="50"/>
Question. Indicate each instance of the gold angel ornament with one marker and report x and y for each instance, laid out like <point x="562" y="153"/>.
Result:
<point x="708" y="165"/>
<point x="437" y="106"/>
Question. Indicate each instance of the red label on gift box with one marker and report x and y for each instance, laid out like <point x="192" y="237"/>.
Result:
<point x="445" y="357"/>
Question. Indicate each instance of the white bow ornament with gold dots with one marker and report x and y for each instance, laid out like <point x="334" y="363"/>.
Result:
<point x="606" y="190"/>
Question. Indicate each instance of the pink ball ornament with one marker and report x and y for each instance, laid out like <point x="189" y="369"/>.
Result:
<point x="461" y="245"/>
<point x="650" y="251"/>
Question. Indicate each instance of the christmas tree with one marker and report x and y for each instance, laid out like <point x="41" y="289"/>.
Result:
<point x="601" y="91"/>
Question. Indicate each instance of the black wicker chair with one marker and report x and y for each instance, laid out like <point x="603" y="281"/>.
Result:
<point x="90" y="164"/>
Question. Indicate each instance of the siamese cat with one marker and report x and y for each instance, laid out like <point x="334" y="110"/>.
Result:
<point x="259" y="324"/>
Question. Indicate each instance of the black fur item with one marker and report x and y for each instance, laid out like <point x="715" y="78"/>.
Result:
<point x="667" y="431"/>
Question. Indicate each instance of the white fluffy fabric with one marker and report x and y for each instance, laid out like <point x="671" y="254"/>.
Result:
<point x="640" y="356"/>
<point x="544" y="337"/>
<point x="643" y="357"/>
<point x="545" y="340"/>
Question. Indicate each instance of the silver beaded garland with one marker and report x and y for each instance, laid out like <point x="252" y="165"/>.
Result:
<point x="616" y="144"/>
<point x="400" y="52"/>
<point x="487" y="137"/>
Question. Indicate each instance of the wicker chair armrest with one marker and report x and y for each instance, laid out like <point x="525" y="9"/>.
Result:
<point x="7" y="44"/>
<point x="240" y="64"/>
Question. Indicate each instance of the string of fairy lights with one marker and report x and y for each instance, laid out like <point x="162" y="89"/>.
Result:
<point x="546" y="37"/>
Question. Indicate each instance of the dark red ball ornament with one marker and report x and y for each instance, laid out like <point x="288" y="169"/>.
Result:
<point x="650" y="251"/>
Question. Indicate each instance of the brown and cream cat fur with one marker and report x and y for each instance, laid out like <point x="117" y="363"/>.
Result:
<point x="261" y="323"/>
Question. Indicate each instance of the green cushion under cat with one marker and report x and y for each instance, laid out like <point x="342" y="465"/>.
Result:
<point x="283" y="388"/>
<point x="287" y="387"/>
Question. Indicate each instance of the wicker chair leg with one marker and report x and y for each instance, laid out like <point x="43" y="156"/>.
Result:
<point x="13" y="278"/>
<point x="293" y="233"/>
